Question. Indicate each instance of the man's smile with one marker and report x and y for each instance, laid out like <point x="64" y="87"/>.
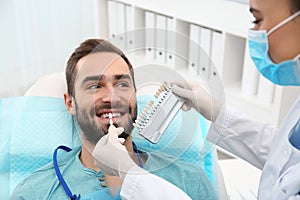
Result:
<point x="117" y="115"/>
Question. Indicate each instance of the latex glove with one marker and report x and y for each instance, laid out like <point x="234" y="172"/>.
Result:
<point x="111" y="156"/>
<point x="195" y="96"/>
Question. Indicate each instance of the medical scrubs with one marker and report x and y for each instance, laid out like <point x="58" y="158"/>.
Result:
<point x="266" y="147"/>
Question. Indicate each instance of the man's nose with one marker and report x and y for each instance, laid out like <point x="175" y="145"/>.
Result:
<point x="110" y="95"/>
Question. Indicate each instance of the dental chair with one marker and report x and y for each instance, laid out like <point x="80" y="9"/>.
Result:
<point x="52" y="87"/>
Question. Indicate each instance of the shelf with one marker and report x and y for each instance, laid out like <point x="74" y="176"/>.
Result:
<point x="227" y="16"/>
<point x="225" y="25"/>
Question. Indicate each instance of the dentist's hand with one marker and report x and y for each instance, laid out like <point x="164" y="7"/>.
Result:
<point x="195" y="96"/>
<point x="111" y="156"/>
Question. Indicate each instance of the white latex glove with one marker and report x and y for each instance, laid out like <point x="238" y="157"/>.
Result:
<point x="111" y="156"/>
<point x="195" y="96"/>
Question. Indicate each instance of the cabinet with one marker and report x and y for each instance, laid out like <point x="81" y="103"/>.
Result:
<point x="218" y="27"/>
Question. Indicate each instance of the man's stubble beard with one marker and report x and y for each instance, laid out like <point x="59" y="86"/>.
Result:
<point x="91" y="129"/>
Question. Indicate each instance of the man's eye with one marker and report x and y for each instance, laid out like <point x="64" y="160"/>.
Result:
<point x="123" y="84"/>
<point x="93" y="87"/>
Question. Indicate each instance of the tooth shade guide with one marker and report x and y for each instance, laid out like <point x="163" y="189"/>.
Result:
<point x="156" y="117"/>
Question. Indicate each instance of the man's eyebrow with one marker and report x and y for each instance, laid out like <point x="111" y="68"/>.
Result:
<point x="98" y="78"/>
<point x="92" y="78"/>
<point x="122" y="76"/>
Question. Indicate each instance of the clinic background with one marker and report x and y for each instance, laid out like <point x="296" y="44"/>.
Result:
<point x="37" y="37"/>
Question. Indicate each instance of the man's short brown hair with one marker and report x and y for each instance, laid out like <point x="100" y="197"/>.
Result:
<point x="85" y="48"/>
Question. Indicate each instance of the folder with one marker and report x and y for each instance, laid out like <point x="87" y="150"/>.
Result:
<point x="121" y="25"/>
<point x="161" y="43"/>
<point x="250" y="77"/>
<point x="194" y="46"/>
<point x="171" y="36"/>
<point x="182" y="46"/>
<point x="205" y="52"/>
<point x="266" y="90"/>
<point x="149" y="34"/>
<point x="216" y="56"/>
<point x="129" y="27"/>
<point x="112" y="19"/>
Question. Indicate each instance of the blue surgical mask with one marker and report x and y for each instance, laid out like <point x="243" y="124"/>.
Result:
<point x="284" y="73"/>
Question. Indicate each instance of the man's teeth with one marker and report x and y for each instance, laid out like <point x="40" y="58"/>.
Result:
<point x="106" y="115"/>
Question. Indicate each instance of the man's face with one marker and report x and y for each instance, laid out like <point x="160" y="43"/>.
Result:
<point x="103" y="85"/>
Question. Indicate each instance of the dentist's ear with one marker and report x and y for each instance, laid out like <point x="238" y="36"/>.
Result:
<point x="70" y="104"/>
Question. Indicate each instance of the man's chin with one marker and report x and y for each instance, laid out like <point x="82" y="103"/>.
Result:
<point x="122" y="135"/>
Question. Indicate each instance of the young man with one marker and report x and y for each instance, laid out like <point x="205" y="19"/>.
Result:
<point x="100" y="82"/>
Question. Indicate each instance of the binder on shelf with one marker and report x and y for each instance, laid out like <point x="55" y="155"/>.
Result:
<point x="121" y="25"/>
<point x="139" y="22"/>
<point x="112" y="19"/>
<point x="171" y="36"/>
<point x="182" y="46"/>
<point x="194" y="47"/>
<point x="205" y="52"/>
<point x="129" y="27"/>
<point x="216" y="55"/>
<point x="266" y="90"/>
<point x="149" y="34"/>
<point x="160" y="51"/>
<point x="250" y="77"/>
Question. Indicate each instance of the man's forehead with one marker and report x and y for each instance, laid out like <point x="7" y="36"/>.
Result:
<point x="101" y="63"/>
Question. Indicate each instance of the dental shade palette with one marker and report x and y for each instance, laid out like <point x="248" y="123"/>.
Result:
<point x="155" y="118"/>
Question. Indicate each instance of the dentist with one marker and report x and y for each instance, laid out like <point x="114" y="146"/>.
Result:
<point x="274" y="45"/>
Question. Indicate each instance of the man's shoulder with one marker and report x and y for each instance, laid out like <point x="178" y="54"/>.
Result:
<point x="188" y="176"/>
<point x="174" y="168"/>
<point x="42" y="179"/>
<point x="163" y="160"/>
<point x="47" y="171"/>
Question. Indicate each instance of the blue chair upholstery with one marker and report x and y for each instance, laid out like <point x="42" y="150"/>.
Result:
<point x="30" y="129"/>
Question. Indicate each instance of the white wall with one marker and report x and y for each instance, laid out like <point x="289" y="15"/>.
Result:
<point x="37" y="37"/>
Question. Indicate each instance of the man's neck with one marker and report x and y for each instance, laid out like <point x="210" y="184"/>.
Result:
<point x="87" y="159"/>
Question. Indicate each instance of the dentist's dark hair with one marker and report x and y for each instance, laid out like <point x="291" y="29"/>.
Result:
<point x="85" y="48"/>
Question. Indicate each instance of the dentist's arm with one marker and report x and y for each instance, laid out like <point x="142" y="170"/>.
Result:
<point x="111" y="156"/>
<point x="196" y="97"/>
<point x="232" y="130"/>
<point x="140" y="184"/>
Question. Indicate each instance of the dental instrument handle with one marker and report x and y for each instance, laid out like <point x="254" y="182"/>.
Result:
<point x="110" y="119"/>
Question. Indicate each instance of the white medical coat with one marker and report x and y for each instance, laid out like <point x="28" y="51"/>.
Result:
<point x="264" y="146"/>
<point x="147" y="186"/>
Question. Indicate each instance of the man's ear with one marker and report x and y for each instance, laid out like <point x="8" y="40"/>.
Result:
<point x="70" y="104"/>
